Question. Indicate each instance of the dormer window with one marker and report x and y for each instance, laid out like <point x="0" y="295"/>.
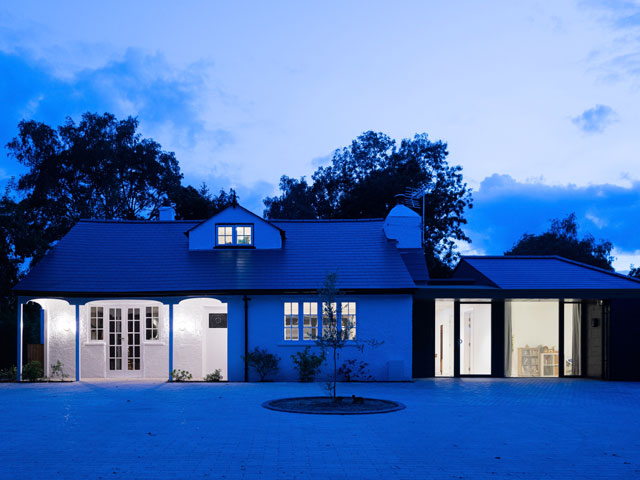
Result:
<point x="234" y="235"/>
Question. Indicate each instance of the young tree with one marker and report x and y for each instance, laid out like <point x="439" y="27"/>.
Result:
<point x="562" y="239"/>
<point x="364" y="178"/>
<point x="335" y="335"/>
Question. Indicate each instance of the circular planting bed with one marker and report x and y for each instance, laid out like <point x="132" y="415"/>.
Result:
<point x="327" y="406"/>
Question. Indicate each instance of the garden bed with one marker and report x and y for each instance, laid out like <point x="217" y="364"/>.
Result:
<point x="327" y="406"/>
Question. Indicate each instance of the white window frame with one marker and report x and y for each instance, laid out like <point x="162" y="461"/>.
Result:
<point x="152" y="328"/>
<point x="98" y="330"/>
<point x="349" y="313"/>
<point x="234" y="234"/>
<point x="310" y="311"/>
<point x="293" y="317"/>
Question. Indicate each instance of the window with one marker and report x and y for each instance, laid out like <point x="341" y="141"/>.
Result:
<point x="225" y="235"/>
<point x="291" y="331"/>
<point x="329" y="318"/>
<point x="152" y="323"/>
<point x="348" y="322"/>
<point x="234" y="235"/>
<point x="310" y="321"/>
<point x="97" y="319"/>
<point x="243" y="235"/>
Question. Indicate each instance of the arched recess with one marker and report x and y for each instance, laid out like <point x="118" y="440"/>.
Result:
<point x="201" y="337"/>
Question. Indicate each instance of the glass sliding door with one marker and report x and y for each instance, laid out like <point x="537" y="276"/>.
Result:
<point x="444" y="338"/>
<point x="572" y="339"/>
<point x="531" y="335"/>
<point x="475" y="339"/>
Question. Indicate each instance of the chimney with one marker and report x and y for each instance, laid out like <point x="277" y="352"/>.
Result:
<point x="166" y="214"/>
<point x="405" y="226"/>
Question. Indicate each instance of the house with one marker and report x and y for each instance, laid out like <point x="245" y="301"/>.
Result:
<point x="515" y="316"/>
<point x="138" y="299"/>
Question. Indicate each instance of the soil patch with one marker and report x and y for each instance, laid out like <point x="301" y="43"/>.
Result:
<point x="326" y="406"/>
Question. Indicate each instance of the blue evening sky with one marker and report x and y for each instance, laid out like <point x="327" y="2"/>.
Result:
<point x="538" y="100"/>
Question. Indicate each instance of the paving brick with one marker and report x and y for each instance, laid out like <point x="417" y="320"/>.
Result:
<point x="472" y="428"/>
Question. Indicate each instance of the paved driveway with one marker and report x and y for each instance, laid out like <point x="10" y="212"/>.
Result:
<point x="450" y="429"/>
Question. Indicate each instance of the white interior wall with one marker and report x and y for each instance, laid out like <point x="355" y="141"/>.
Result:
<point x="444" y="318"/>
<point x="480" y="354"/>
<point x="533" y="324"/>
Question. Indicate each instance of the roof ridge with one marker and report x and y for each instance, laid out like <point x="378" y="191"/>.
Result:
<point x="551" y="257"/>
<point x="326" y="220"/>
<point x="146" y="222"/>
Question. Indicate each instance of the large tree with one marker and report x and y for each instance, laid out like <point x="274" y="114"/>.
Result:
<point x="562" y="239"/>
<point x="100" y="167"/>
<point x="364" y="179"/>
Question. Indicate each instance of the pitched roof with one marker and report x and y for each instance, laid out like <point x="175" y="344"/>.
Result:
<point x="540" y="272"/>
<point x="146" y="257"/>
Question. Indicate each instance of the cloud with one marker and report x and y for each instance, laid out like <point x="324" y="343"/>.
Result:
<point x="504" y="209"/>
<point x="596" y="119"/>
<point x="164" y="99"/>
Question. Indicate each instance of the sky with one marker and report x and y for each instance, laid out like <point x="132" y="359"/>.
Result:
<point x="538" y="101"/>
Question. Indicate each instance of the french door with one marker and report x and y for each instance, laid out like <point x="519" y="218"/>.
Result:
<point x="124" y="349"/>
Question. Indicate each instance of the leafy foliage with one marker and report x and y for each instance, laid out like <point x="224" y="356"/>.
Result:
<point x="634" y="271"/>
<point x="9" y="373"/>
<point x="354" y="369"/>
<point x="562" y="239"/>
<point x="216" y="376"/>
<point x="32" y="371"/>
<point x="364" y="179"/>
<point x="308" y="364"/>
<point x="98" y="168"/>
<point x="57" y="370"/>
<point x="200" y="204"/>
<point x="263" y="362"/>
<point x="180" y="375"/>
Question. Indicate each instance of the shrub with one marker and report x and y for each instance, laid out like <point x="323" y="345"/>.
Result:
<point x="9" y="373"/>
<point x="308" y="364"/>
<point x="216" y="376"/>
<point x="180" y="375"/>
<point x="263" y="362"/>
<point x="355" y="370"/>
<point x="57" y="370"/>
<point x="32" y="371"/>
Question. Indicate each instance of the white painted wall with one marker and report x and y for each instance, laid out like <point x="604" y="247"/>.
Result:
<point x="265" y="235"/>
<point x="534" y="323"/>
<point x="197" y="348"/>
<point x="384" y="318"/>
<point x="60" y="335"/>
<point x="404" y="225"/>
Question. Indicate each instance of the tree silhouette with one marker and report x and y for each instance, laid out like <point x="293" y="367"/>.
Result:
<point x="562" y="239"/>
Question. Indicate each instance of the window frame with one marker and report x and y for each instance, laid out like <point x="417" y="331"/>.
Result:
<point x="352" y="332"/>
<point x="320" y="315"/>
<point x="152" y="329"/>
<point x="234" y="235"/>
<point x="291" y="316"/>
<point x="313" y="330"/>
<point x="99" y="328"/>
